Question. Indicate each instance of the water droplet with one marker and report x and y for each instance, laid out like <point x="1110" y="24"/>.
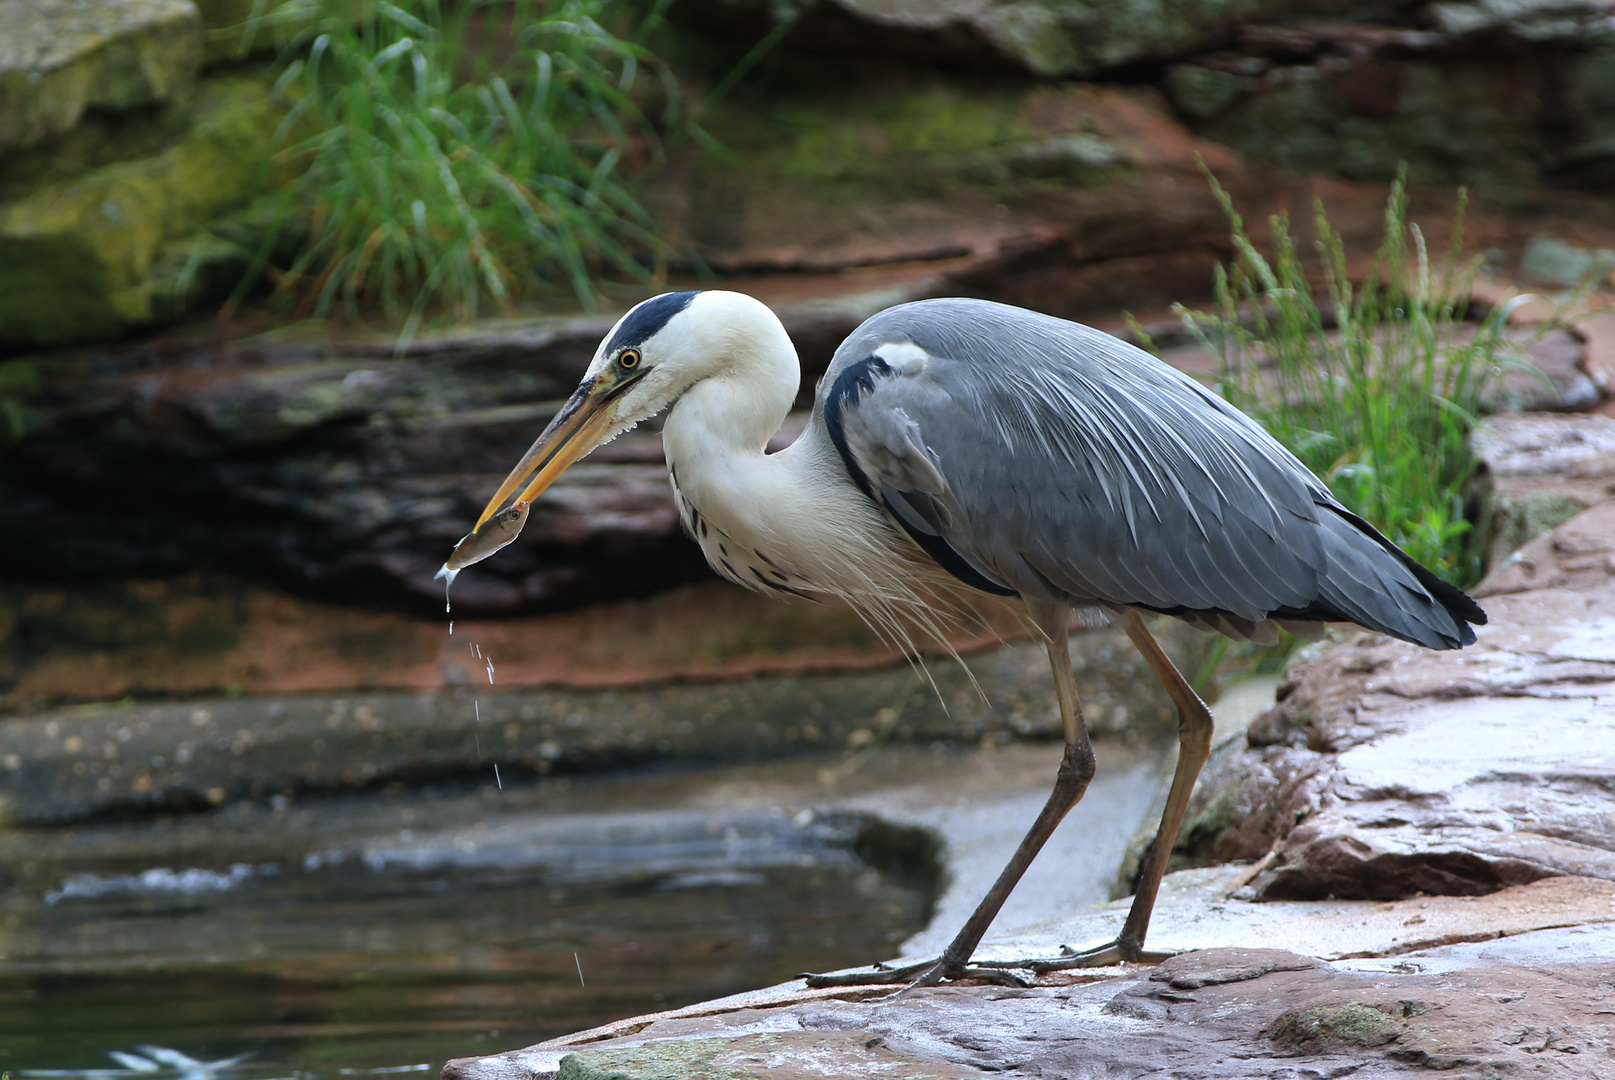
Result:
<point x="447" y="576"/>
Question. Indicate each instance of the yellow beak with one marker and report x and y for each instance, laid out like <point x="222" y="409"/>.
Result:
<point x="576" y="429"/>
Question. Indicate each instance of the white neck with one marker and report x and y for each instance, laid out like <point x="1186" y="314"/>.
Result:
<point x="716" y="434"/>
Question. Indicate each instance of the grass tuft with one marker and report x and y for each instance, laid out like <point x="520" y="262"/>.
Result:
<point x="454" y="156"/>
<point x="1374" y="386"/>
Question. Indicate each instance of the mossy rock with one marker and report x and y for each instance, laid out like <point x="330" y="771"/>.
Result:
<point x="1440" y="118"/>
<point x="59" y="58"/>
<point x="1351" y="1023"/>
<point x="76" y="256"/>
<point x="844" y="175"/>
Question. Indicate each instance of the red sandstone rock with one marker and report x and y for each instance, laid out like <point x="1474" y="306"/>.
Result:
<point x="1386" y="770"/>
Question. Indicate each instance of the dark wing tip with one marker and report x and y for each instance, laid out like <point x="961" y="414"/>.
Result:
<point x="1458" y="605"/>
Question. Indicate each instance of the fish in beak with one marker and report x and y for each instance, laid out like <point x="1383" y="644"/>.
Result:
<point x="579" y="427"/>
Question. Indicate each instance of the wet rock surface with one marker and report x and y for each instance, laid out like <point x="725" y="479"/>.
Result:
<point x="301" y="917"/>
<point x="1541" y="471"/>
<point x="225" y="637"/>
<point x="1221" y="1012"/>
<point x="330" y="464"/>
<point x="1426" y="835"/>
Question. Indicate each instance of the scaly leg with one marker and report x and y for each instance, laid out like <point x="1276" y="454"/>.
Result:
<point x="1076" y="770"/>
<point x="1194" y="747"/>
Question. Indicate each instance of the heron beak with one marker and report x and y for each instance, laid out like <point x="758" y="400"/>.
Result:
<point x="576" y="429"/>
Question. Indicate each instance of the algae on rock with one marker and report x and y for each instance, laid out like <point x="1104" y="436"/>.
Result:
<point x="76" y="256"/>
<point x="61" y="57"/>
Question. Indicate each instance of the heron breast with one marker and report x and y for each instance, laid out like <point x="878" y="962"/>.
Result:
<point x="741" y="563"/>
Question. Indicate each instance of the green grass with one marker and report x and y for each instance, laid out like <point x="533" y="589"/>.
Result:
<point x="452" y="157"/>
<point x="1375" y="386"/>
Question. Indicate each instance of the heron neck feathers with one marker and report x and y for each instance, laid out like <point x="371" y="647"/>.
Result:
<point x="717" y="432"/>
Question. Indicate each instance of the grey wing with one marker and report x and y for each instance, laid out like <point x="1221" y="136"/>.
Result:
<point x="1035" y="456"/>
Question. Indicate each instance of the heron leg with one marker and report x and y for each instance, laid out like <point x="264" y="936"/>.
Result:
<point x="1076" y="770"/>
<point x="1194" y="747"/>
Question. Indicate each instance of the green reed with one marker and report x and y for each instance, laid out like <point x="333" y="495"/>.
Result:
<point x="1374" y="386"/>
<point x="452" y="156"/>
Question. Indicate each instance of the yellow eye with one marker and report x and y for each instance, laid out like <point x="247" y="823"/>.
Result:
<point x="628" y="359"/>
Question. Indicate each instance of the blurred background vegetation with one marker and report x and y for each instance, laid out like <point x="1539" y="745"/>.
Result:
<point x="452" y="158"/>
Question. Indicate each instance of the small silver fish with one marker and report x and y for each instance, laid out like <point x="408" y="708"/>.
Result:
<point x="495" y="533"/>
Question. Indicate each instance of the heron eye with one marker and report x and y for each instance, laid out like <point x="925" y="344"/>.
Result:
<point x="629" y="359"/>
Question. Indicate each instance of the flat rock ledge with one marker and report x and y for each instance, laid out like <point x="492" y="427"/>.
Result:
<point x="1504" y="1000"/>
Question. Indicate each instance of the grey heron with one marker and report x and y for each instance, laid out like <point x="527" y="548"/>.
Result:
<point x="959" y="448"/>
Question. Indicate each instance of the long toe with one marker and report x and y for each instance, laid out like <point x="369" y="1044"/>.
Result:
<point x="878" y="975"/>
<point x="1106" y="955"/>
<point x="1102" y="956"/>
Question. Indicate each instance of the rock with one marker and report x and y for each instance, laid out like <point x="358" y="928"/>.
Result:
<point x="80" y="251"/>
<point x="1539" y="471"/>
<point x="1285" y="1015"/>
<point x="1362" y="115"/>
<point x="1379" y="772"/>
<point x="321" y="734"/>
<point x="1204" y="92"/>
<point x="772" y="1056"/>
<point x="1046" y="39"/>
<point x="1363" y="94"/>
<point x="1558" y="262"/>
<point x="61" y="57"/>
<point x="1569" y="22"/>
<point x="1589" y="160"/>
<point x="330" y="462"/>
<point x="861" y="173"/>
<point x="1560" y="382"/>
<point x="1350" y="88"/>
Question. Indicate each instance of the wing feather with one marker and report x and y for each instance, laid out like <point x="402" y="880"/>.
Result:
<point x="1057" y="462"/>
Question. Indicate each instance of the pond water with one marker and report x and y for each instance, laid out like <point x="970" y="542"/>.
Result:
<point x="386" y="932"/>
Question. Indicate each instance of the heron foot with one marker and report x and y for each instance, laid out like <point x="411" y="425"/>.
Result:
<point x="913" y="976"/>
<point x="875" y="975"/>
<point x="1001" y="972"/>
<point x="1107" y="955"/>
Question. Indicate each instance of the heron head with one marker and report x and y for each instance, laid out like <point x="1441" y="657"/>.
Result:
<point x="656" y="352"/>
